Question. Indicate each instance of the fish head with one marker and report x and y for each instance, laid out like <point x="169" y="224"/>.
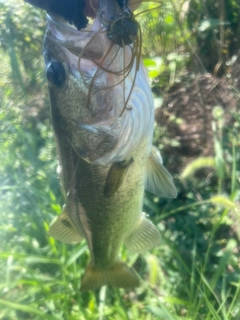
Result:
<point x="91" y="82"/>
<point x="77" y="69"/>
<point x="85" y="102"/>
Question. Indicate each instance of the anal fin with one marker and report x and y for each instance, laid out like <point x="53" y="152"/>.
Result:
<point x="63" y="230"/>
<point x="158" y="180"/>
<point x="119" y="275"/>
<point x="144" y="237"/>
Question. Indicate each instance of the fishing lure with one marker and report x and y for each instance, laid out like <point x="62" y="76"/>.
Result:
<point x="123" y="28"/>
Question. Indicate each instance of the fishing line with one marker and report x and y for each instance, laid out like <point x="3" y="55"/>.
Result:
<point x="122" y="39"/>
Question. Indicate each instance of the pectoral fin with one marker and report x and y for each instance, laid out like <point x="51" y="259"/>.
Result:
<point x="159" y="181"/>
<point x="116" y="177"/>
<point x="144" y="237"/>
<point x="63" y="230"/>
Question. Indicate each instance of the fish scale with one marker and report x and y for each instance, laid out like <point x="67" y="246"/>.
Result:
<point x="105" y="155"/>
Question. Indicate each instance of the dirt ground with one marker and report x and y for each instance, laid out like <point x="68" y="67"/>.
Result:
<point x="193" y="102"/>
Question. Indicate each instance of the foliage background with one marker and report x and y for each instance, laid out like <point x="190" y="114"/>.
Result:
<point x="194" y="273"/>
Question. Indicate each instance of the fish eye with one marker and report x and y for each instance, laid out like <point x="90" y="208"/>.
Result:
<point x="56" y="74"/>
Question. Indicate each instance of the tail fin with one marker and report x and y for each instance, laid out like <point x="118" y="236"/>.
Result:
<point x="119" y="275"/>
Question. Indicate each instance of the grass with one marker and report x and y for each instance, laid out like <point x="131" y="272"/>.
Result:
<point x="193" y="274"/>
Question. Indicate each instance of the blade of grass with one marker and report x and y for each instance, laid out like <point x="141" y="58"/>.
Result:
<point x="233" y="301"/>
<point x="223" y="262"/>
<point x="25" y="308"/>
<point x="102" y="297"/>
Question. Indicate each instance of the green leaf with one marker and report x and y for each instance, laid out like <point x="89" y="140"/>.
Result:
<point x="149" y="63"/>
<point x="153" y="74"/>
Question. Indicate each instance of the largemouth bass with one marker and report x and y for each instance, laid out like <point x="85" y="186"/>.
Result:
<point x="106" y="156"/>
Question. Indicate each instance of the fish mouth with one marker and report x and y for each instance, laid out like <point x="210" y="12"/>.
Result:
<point x="91" y="42"/>
<point x="88" y="43"/>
